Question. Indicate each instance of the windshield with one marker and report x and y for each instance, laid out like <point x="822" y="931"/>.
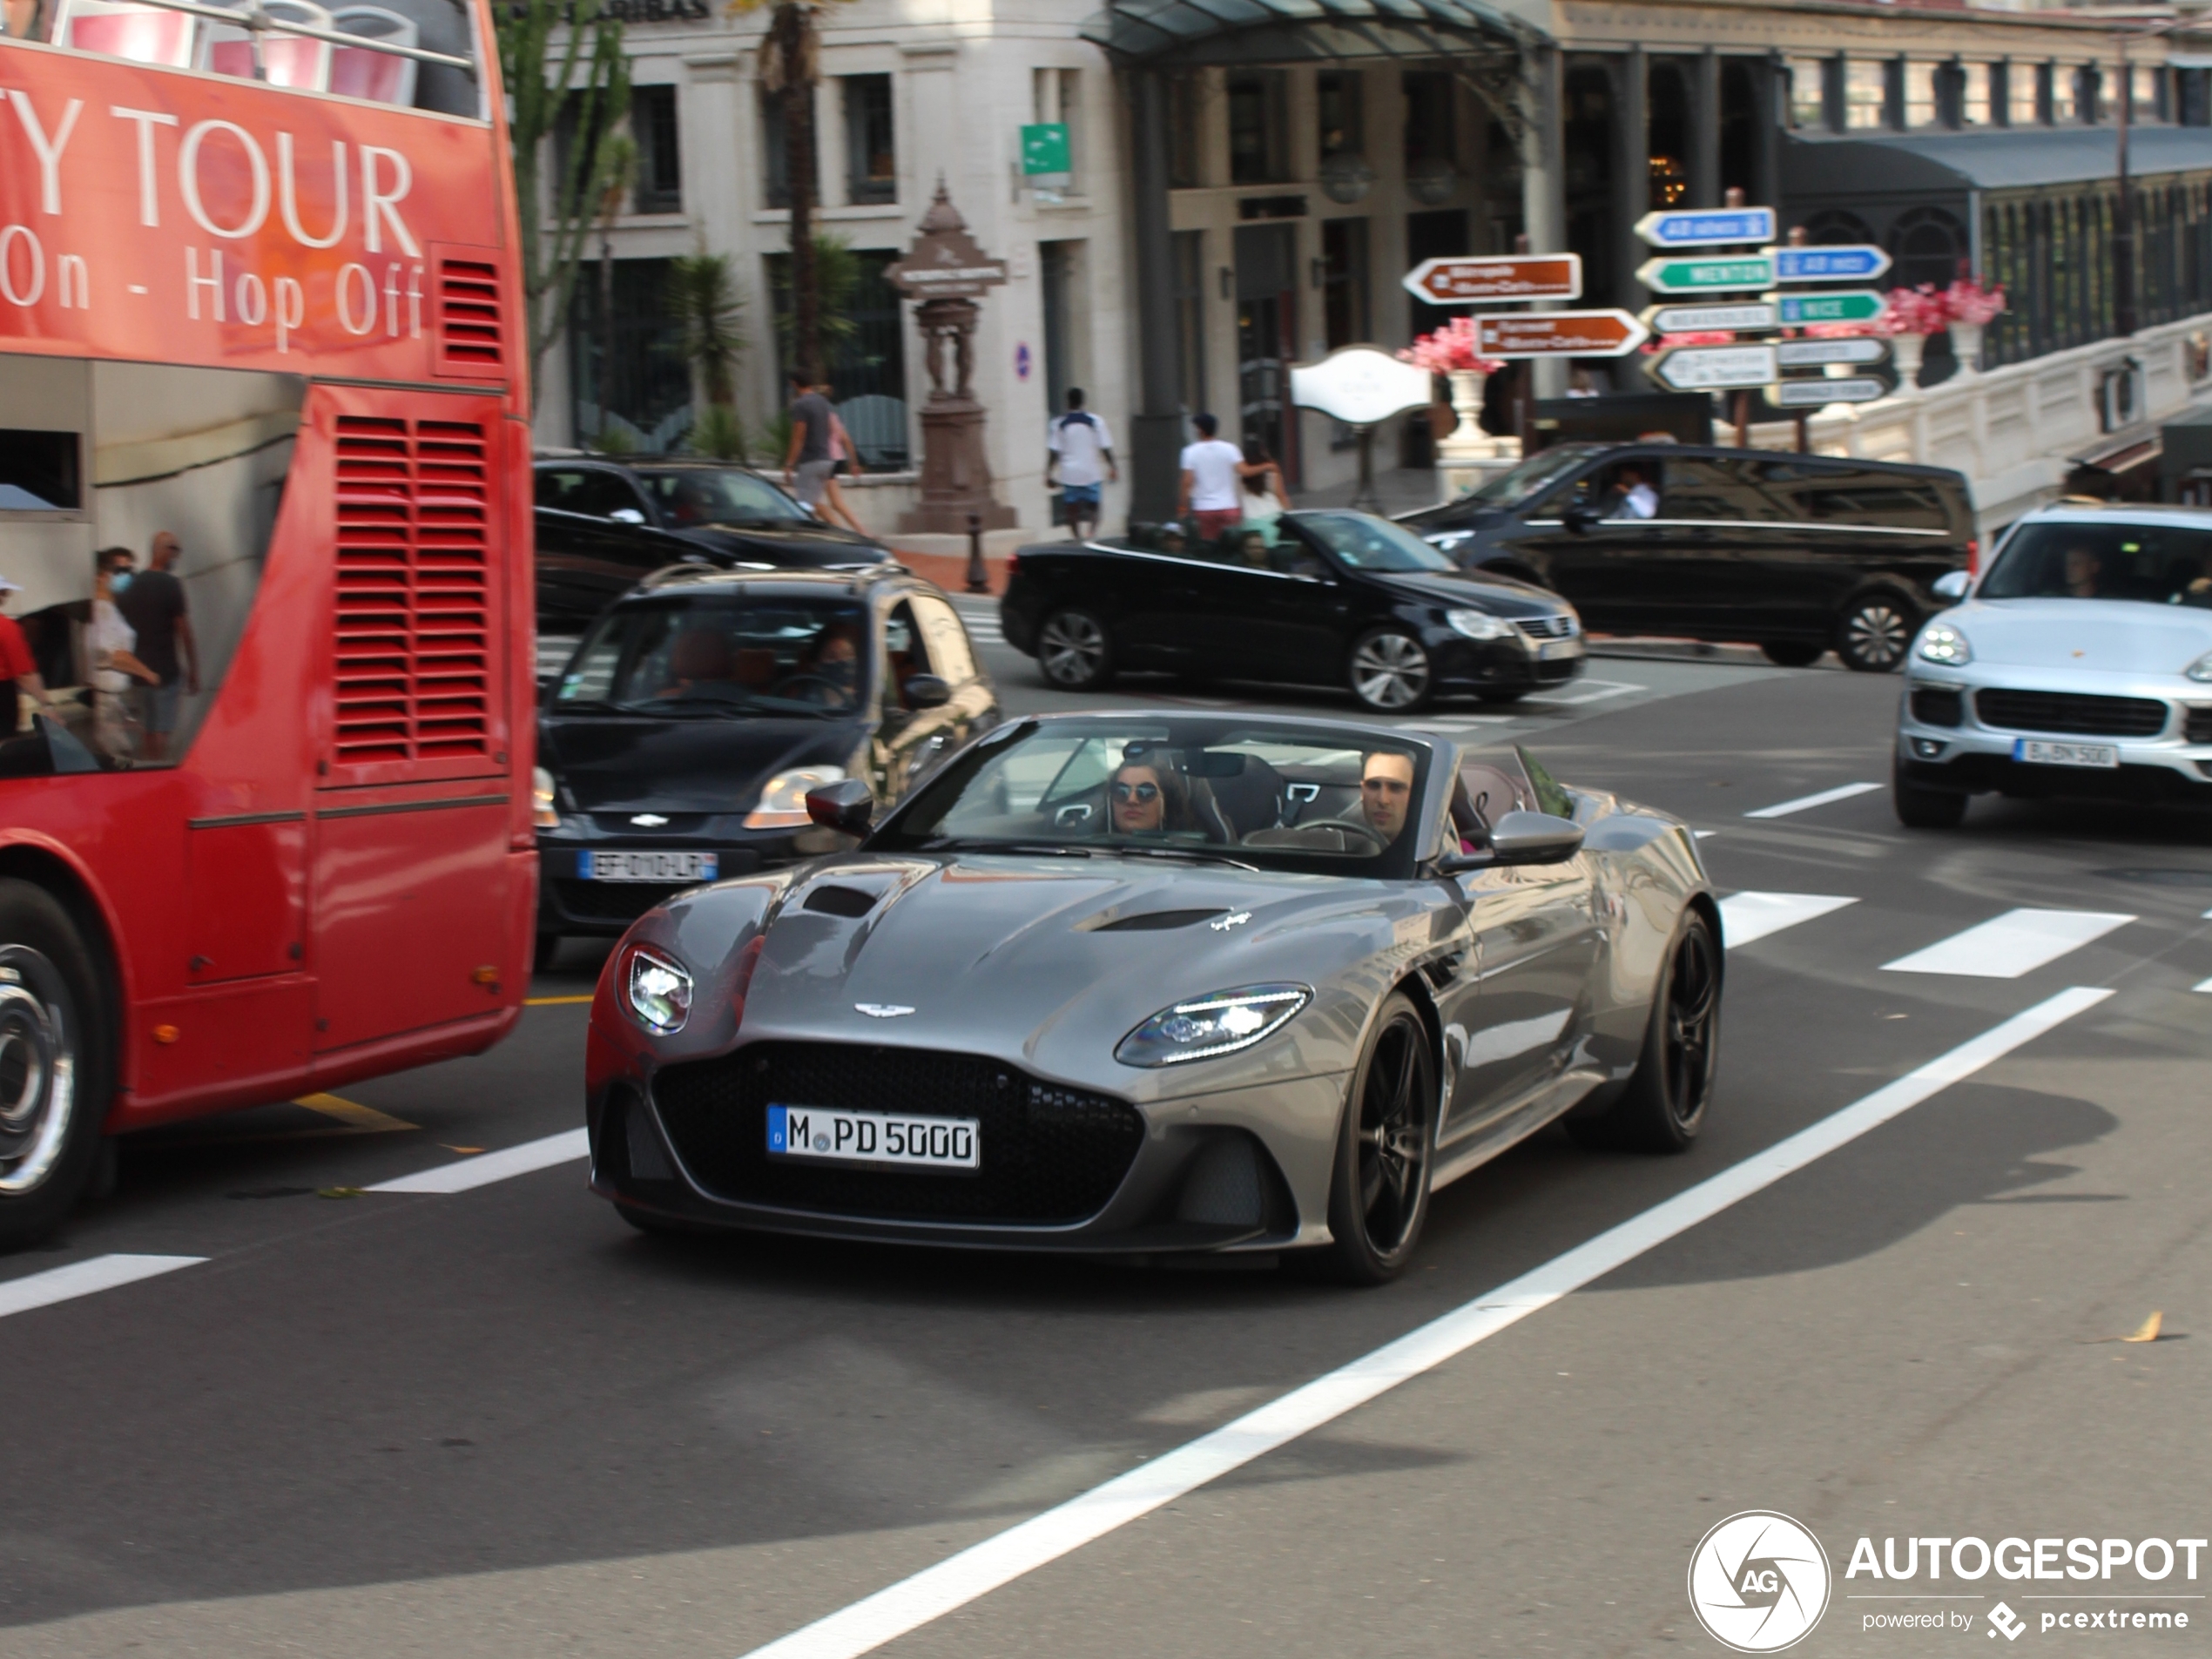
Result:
<point x="1366" y="542"/>
<point x="1212" y="788"/>
<point x="713" y="495"/>
<point x="2160" y="564"/>
<point x="1534" y="475"/>
<point x="721" y="656"/>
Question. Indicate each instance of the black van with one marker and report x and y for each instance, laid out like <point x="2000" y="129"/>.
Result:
<point x="1794" y="553"/>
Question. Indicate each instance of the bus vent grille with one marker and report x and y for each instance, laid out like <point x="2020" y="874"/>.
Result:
<point x="412" y="622"/>
<point x="468" y="325"/>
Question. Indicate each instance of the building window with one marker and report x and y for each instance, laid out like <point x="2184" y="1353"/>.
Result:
<point x="1344" y="281"/>
<point x="2066" y="94"/>
<point x="871" y="154"/>
<point x="632" y="385"/>
<point x="1190" y="319"/>
<point x="1978" y="95"/>
<point x="867" y="366"/>
<point x="1808" y="94"/>
<point x="1921" y="109"/>
<point x="1428" y="120"/>
<point x="1256" y="147"/>
<point x="1184" y="95"/>
<point x="2024" y="94"/>
<point x="775" y="162"/>
<point x="1342" y="129"/>
<point x="660" y="158"/>
<point x="1866" y="93"/>
<point x="2147" y="105"/>
<point x="1056" y="95"/>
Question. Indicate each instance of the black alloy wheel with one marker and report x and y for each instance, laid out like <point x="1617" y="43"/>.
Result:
<point x="1378" y="1197"/>
<point x="1389" y="671"/>
<point x="1919" y="808"/>
<point x="1875" y="631"/>
<point x="1791" y="653"/>
<point x="1074" y="651"/>
<point x="1663" y="1107"/>
<point x="54" y="1065"/>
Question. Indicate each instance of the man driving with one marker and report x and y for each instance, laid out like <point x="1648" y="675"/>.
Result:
<point x="1632" y="495"/>
<point x="1386" y="791"/>
<point x="2082" y="569"/>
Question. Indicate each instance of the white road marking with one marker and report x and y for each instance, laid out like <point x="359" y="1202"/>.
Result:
<point x="2008" y="946"/>
<point x="1704" y="835"/>
<point x="1591" y="692"/>
<point x="1747" y="916"/>
<point x="483" y="1171"/>
<point x="1842" y="792"/>
<point x="2202" y="985"/>
<point x="929" y="1594"/>
<point x="84" y="1279"/>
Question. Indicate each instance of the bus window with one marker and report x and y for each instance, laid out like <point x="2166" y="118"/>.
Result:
<point x="187" y="468"/>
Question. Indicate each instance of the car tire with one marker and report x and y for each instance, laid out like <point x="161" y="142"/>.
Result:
<point x="55" y="1065"/>
<point x="1875" y="631"/>
<point x="1389" y="671"/>
<point x="1791" y="653"/>
<point x="1920" y="808"/>
<point x="1385" y="1148"/>
<point x="1074" y="651"/>
<point x="1663" y="1107"/>
<point x="545" y="952"/>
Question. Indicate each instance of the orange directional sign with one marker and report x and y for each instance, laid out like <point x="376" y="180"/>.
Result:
<point x="1518" y="276"/>
<point x="1560" y="334"/>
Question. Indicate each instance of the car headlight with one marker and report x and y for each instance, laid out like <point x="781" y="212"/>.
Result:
<point x="2201" y="669"/>
<point x="1478" y="624"/>
<point x="1206" y="1026"/>
<point x="1445" y="541"/>
<point x="655" y="991"/>
<point x="783" y="803"/>
<point x="1941" y="643"/>
<point x="545" y="809"/>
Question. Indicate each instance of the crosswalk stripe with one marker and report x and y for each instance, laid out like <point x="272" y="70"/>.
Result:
<point x="2202" y="985"/>
<point x="2007" y="947"/>
<point x="1782" y="809"/>
<point x="1747" y="916"/>
<point x="84" y="1279"/>
<point x="483" y="1171"/>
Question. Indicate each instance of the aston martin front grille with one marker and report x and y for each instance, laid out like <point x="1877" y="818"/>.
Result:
<point x="1050" y="1156"/>
<point x="2071" y="712"/>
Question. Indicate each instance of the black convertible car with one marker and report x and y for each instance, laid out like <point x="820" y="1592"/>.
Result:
<point x="678" y="744"/>
<point x="1338" y="598"/>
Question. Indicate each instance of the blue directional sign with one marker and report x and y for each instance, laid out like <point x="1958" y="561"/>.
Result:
<point x="1707" y="227"/>
<point x="1850" y="262"/>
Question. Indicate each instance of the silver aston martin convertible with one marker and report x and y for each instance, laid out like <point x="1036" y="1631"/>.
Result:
<point x="1139" y="983"/>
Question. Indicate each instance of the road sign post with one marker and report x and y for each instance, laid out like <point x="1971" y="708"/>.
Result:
<point x="1817" y="394"/>
<point x="1845" y="305"/>
<point x="1698" y="319"/>
<point x="1704" y="227"/>
<point x="1559" y="334"/>
<point x="1853" y="261"/>
<point x="1818" y="354"/>
<point x="1714" y="368"/>
<point x="1714" y="274"/>
<point x="1520" y="276"/>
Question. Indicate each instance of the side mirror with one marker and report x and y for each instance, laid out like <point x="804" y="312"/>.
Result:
<point x="1579" y="519"/>
<point x="927" y="691"/>
<point x="1534" y="837"/>
<point x="1952" y="584"/>
<point x="846" y="806"/>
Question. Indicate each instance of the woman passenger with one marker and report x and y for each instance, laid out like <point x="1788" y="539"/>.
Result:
<point x="1145" y="798"/>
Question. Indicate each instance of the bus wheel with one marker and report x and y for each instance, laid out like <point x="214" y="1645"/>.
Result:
<point x="55" y="1081"/>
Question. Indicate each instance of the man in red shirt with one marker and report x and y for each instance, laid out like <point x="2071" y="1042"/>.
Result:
<point x="18" y="671"/>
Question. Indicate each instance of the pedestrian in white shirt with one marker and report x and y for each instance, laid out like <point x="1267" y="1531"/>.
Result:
<point x="112" y="642"/>
<point x="1633" y="496"/>
<point x="1082" y="462"/>
<point x="1212" y="469"/>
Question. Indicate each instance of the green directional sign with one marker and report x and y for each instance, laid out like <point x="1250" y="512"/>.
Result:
<point x="1850" y="305"/>
<point x="1706" y="275"/>
<point x="1044" y="147"/>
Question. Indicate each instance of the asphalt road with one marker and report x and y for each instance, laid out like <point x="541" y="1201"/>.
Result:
<point x="497" y="1421"/>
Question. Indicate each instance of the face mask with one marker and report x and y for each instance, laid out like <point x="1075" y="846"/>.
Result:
<point x="119" y="581"/>
<point x="842" y="672"/>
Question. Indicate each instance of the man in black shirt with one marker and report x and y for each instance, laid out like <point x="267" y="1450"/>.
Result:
<point x="154" y="606"/>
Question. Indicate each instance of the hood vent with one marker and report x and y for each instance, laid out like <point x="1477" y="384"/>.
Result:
<point x="1150" y="922"/>
<point x="840" y="901"/>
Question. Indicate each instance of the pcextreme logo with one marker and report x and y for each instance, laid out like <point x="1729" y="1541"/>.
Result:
<point x="1758" y="1581"/>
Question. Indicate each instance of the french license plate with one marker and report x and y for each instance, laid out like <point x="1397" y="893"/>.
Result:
<point x="1552" y="649"/>
<point x="648" y="867"/>
<point x="875" y="1138"/>
<point x="2038" y="752"/>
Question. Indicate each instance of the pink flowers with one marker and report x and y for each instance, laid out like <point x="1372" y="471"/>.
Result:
<point x="1970" y="302"/>
<point x="1452" y="346"/>
<point x="1930" y="310"/>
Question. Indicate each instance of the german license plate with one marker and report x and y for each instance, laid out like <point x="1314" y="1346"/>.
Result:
<point x="648" y="867"/>
<point x="1552" y="649"/>
<point x="874" y="1137"/>
<point x="2038" y="752"/>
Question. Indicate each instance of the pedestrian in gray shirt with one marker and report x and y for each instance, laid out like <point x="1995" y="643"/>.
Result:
<point x="807" y="464"/>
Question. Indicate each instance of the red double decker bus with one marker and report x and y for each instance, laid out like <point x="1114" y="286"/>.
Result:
<point x="264" y="508"/>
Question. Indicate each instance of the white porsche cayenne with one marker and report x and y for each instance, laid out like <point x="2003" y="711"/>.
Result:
<point x="2080" y="663"/>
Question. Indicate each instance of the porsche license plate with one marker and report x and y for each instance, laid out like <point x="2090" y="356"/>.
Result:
<point x="874" y="1137"/>
<point x="1552" y="649"/>
<point x="648" y="867"/>
<point x="2038" y="752"/>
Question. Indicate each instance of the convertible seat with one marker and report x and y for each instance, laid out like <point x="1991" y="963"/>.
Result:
<point x="1251" y="799"/>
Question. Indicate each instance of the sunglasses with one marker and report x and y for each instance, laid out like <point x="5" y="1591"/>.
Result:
<point x="1136" y="792"/>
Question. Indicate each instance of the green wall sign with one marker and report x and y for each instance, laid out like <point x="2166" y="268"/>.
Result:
<point x="1044" y="148"/>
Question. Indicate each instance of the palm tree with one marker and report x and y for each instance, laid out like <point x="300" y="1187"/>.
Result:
<point x="708" y="313"/>
<point x="618" y="165"/>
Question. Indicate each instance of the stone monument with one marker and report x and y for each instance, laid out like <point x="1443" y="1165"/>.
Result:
<point x="947" y="273"/>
